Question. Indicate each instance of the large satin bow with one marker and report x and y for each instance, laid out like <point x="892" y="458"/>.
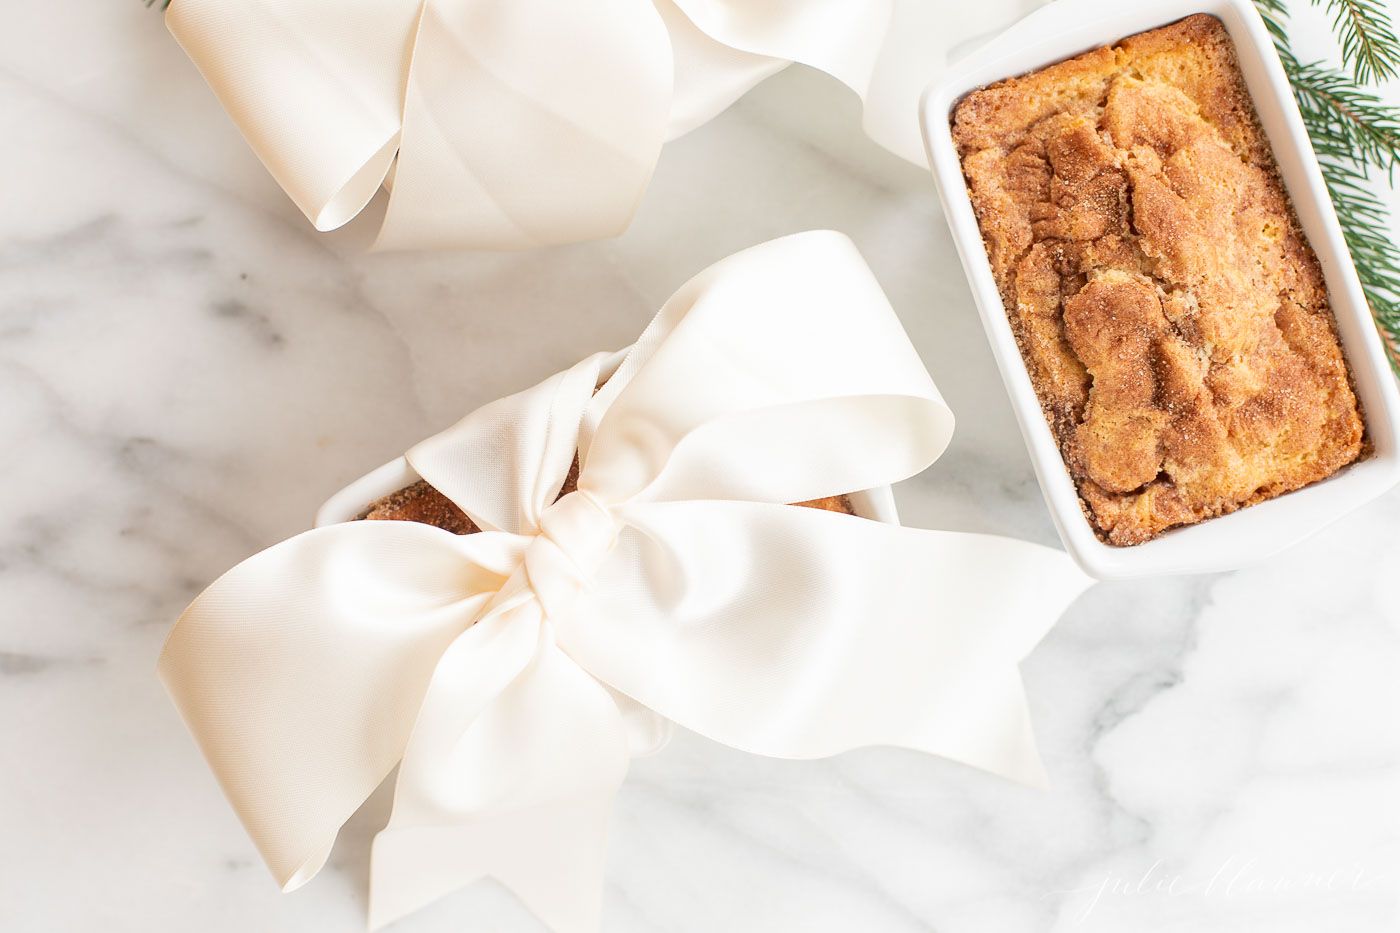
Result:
<point x="508" y="124"/>
<point x="511" y="673"/>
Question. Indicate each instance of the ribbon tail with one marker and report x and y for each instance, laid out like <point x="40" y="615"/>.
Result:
<point x="797" y="633"/>
<point x="510" y="774"/>
<point x="551" y="857"/>
<point x="997" y="734"/>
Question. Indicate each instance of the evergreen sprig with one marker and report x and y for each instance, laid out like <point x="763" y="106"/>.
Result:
<point x="1367" y="38"/>
<point x="1353" y="132"/>
<point x="1336" y="110"/>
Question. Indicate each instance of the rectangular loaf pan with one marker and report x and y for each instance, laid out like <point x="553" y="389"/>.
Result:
<point x="1067" y="28"/>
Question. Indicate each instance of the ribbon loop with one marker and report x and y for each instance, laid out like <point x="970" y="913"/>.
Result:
<point x="879" y="636"/>
<point x="505" y="462"/>
<point x="737" y="391"/>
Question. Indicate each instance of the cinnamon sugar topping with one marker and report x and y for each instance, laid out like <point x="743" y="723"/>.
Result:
<point x="1171" y="314"/>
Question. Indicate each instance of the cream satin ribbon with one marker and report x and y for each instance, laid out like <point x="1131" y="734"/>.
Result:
<point x="509" y="124"/>
<point x="511" y="673"/>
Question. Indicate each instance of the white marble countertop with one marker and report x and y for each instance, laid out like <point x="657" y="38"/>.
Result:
<point x="187" y="371"/>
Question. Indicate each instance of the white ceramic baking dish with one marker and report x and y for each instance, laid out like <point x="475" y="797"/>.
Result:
<point x="1066" y="28"/>
<point x="352" y="501"/>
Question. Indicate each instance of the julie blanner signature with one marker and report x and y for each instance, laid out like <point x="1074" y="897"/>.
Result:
<point x="1236" y="877"/>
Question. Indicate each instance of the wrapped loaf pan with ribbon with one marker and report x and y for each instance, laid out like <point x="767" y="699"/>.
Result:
<point x="510" y="124"/>
<point x="512" y="645"/>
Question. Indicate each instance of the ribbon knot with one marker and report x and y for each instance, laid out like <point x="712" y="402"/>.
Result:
<point x="511" y="674"/>
<point x="575" y="536"/>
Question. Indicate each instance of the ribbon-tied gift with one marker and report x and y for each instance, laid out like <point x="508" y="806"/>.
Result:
<point x="511" y="673"/>
<point x="509" y="124"/>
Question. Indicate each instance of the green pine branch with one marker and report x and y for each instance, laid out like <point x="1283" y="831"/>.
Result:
<point x="1366" y="228"/>
<point x="1368" y="40"/>
<point x="1354" y="132"/>
<point x="1341" y="112"/>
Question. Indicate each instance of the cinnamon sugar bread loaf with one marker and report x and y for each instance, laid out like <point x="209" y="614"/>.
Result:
<point x="1171" y="314"/>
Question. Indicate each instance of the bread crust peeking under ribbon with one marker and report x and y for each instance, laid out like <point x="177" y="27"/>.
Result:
<point x="420" y="502"/>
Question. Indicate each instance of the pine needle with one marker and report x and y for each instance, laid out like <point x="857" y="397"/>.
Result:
<point x="1366" y="229"/>
<point x="1368" y="41"/>
<point x="1353" y="132"/>
<point x="1348" y="121"/>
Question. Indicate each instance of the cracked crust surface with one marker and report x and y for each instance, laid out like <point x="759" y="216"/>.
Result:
<point x="1171" y="314"/>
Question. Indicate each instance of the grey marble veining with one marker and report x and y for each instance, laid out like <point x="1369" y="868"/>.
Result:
<point x="187" y="371"/>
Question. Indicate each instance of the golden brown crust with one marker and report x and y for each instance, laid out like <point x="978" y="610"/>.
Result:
<point x="420" y="502"/>
<point x="840" y="504"/>
<point x="1172" y="316"/>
